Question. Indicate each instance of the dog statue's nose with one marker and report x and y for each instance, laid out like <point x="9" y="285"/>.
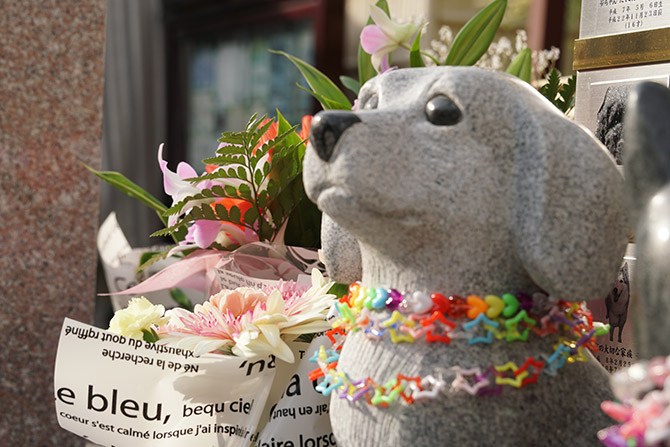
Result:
<point x="327" y="127"/>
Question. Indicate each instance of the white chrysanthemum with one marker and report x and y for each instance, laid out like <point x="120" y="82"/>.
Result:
<point x="140" y="314"/>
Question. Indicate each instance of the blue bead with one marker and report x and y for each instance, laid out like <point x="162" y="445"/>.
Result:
<point x="380" y="299"/>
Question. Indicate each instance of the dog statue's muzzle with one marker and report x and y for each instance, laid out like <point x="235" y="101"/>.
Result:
<point x="327" y="127"/>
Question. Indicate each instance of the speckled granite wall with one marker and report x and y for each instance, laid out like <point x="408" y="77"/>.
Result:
<point x="51" y="87"/>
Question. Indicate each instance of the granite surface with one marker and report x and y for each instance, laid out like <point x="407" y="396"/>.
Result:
<point x="465" y="181"/>
<point x="51" y="90"/>
<point x="340" y="252"/>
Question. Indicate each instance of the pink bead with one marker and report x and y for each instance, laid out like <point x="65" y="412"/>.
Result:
<point x="618" y="412"/>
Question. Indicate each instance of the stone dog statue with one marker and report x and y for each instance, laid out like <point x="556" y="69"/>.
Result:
<point x="466" y="181"/>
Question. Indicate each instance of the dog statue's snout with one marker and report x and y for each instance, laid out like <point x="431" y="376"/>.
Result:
<point x="327" y="127"/>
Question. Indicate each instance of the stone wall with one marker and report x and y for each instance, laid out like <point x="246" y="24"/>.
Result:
<point x="51" y="92"/>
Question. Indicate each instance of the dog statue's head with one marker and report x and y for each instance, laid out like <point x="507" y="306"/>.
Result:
<point x="470" y="181"/>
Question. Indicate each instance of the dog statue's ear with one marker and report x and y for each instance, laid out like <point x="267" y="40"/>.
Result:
<point x="569" y="219"/>
<point x="340" y="252"/>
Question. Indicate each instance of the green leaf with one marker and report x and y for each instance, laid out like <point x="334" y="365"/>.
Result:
<point x="221" y="211"/>
<point x="151" y="257"/>
<point x="365" y="69"/>
<point x="283" y="127"/>
<point x="167" y="231"/>
<point x="474" y="38"/>
<point x="251" y="215"/>
<point x="126" y="186"/>
<point x="208" y="212"/>
<point x="235" y="214"/>
<point x="258" y="134"/>
<point x="350" y="83"/>
<point x="258" y="177"/>
<point x="272" y="188"/>
<point x="339" y="290"/>
<point x="286" y="200"/>
<point x="551" y="88"/>
<point x="415" y="59"/>
<point x="230" y="190"/>
<point x="242" y="173"/>
<point x="277" y="212"/>
<point x="149" y="335"/>
<point x="244" y="191"/>
<point x="318" y="82"/>
<point x="265" y="230"/>
<point x="218" y="191"/>
<point x="226" y="159"/>
<point x="326" y="103"/>
<point x="234" y="140"/>
<point x="181" y="299"/>
<point x="263" y="200"/>
<point x="567" y="93"/>
<point x="196" y="213"/>
<point x="144" y="257"/>
<point x="521" y="65"/>
<point x="232" y="173"/>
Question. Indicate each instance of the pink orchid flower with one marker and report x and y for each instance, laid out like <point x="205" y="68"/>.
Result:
<point x="385" y="36"/>
<point x="203" y="232"/>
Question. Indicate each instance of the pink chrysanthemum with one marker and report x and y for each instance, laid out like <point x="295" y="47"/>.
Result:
<point x="251" y="322"/>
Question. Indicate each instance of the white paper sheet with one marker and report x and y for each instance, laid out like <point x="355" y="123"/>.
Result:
<point x="117" y="391"/>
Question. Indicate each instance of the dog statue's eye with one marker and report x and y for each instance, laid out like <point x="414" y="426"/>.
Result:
<point x="442" y="111"/>
<point x="371" y="103"/>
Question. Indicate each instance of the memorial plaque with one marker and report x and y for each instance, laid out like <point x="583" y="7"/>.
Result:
<point x="607" y="17"/>
<point x="622" y="42"/>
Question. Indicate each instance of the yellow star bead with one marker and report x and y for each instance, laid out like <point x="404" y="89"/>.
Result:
<point x="397" y="318"/>
<point x="497" y="333"/>
<point x="516" y="381"/>
<point x="400" y="337"/>
<point x="580" y="356"/>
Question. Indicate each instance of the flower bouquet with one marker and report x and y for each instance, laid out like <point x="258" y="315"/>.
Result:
<point x="263" y="321"/>
<point x="250" y="195"/>
<point x="235" y="370"/>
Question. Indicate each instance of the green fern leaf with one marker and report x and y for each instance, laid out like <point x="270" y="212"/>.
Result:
<point x="245" y="192"/>
<point x="234" y="214"/>
<point x="551" y="88"/>
<point x="221" y="212"/>
<point x="251" y="215"/>
<point x="151" y="258"/>
<point x="258" y="177"/>
<point x="567" y="94"/>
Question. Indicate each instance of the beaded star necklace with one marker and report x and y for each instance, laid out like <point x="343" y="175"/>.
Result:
<point x="435" y="318"/>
